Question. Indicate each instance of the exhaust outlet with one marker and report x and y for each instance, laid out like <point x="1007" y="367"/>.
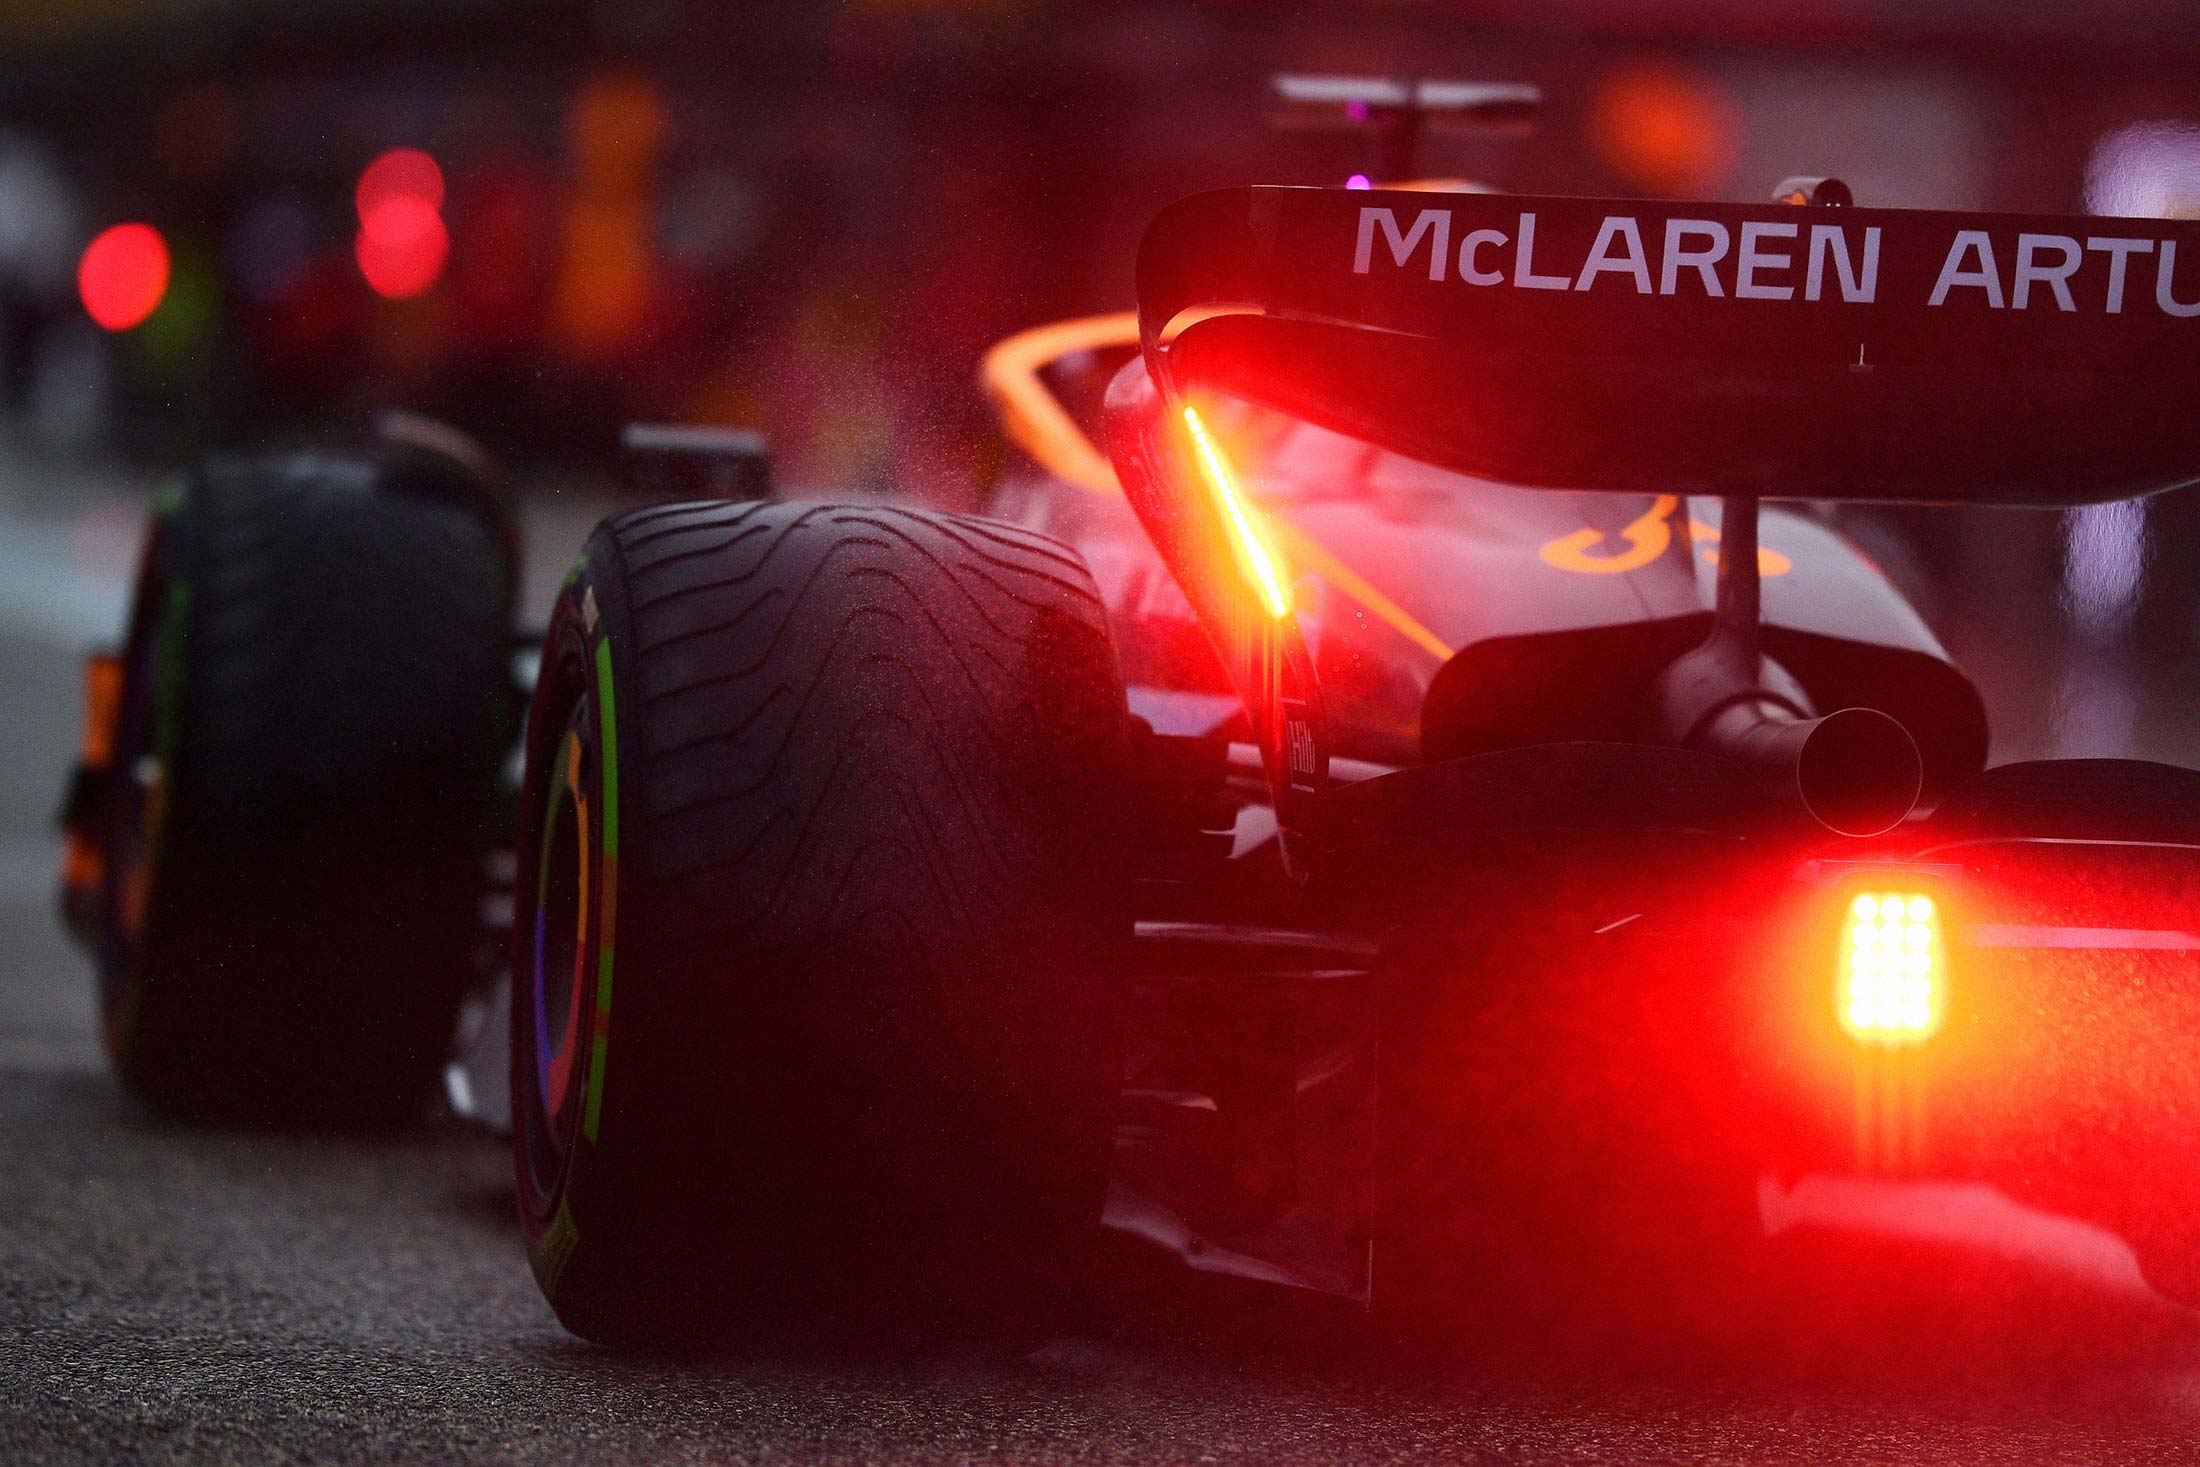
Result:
<point x="1855" y="771"/>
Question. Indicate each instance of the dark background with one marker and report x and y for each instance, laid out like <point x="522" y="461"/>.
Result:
<point x="812" y="218"/>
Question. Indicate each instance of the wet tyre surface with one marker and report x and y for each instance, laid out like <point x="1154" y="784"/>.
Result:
<point x="174" y="1294"/>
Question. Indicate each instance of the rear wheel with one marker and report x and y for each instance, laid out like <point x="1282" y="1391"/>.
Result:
<point x="314" y="706"/>
<point x="822" y="900"/>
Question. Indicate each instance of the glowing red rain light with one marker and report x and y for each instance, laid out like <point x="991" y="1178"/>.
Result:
<point x="122" y="275"/>
<point x="1665" y="127"/>
<point x="1893" y="972"/>
<point x="402" y="247"/>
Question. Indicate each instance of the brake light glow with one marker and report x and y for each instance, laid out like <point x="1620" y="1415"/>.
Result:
<point x="1262" y="565"/>
<point x="1893" y="968"/>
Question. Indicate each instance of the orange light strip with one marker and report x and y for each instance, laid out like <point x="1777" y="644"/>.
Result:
<point x="1261" y="562"/>
<point x="1034" y="420"/>
<point x="1032" y="417"/>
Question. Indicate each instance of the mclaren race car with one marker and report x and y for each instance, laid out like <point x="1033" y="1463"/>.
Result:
<point x="1413" y="790"/>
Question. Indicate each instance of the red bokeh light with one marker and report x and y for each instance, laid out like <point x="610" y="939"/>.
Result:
<point x="123" y="275"/>
<point x="400" y="173"/>
<point x="401" y="248"/>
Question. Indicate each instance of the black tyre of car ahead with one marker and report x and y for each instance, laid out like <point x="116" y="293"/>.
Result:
<point x="822" y="900"/>
<point x="314" y="709"/>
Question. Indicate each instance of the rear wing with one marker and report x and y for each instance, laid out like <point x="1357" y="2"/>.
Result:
<point x="1648" y="347"/>
<point x="1804" y="349"/>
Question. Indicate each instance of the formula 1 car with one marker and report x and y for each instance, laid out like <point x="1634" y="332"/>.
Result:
<point x="1416" y="813"/>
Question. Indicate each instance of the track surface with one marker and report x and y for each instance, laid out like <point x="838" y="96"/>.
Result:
<point x="216" y="1296"/>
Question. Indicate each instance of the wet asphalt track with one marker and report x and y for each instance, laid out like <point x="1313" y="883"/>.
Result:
<point x="170" y="1295"/>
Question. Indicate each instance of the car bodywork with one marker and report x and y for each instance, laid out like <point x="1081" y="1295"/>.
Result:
<point x="1494" y="462"/>
<point x="1453" y="626"/>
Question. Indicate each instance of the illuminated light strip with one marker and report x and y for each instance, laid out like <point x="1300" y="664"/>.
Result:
<point x="1253" y="547"/>
<point x="1033" y="416"/>
<point x="1036" y="421"/>
<point x="2102" y="939"/>
<point x="607" y="733"/>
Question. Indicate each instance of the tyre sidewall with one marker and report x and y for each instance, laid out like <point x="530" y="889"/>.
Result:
<point x="603" y="1245"/>
<point x="726" y="1180"/>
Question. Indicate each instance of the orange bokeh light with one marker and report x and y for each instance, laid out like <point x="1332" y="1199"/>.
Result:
<point x="122" y="275"/>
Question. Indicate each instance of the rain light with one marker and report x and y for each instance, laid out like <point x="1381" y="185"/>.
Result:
<point x="1893" y="968"/>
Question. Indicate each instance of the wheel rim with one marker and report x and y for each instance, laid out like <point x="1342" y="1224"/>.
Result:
<point x="558" y="950"/>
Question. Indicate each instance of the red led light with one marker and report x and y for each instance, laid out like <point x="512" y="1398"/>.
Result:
<point x="401" y="248"/>
<point x="123" y="275"/>
<point x="1893" y="968"/>
<point x="400" y="173"/>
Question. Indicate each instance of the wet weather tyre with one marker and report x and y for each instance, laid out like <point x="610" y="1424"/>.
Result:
<point x="314" y="712"/>
<point x="823" y="897"/>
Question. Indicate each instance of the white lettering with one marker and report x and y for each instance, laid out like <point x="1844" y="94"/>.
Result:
<point x="1830" y="240"/>
<point x="2165" y="267"/>
<point x="1431" y="221"/>
<point x="2119" y="252"/>
<point x="1969" y="242"/>
<point x="2055" y="277"/>
<point x="1468" y="271"/>
<point x="1601" y="260"/>
<point x="1699" y="260"/>
<point x="1750" y="259"/>
<point x="1524" y="275"/>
